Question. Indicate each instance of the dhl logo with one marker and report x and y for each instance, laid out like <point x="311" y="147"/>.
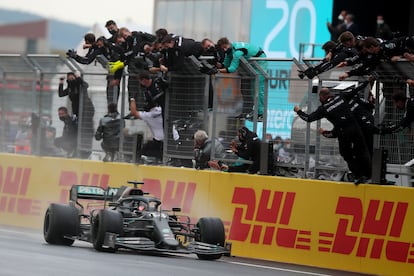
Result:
<point x="14" y="182"/>
<point x="174" y="194"/>
<point x="273" y="208"/>
<point x="372" y="233"/>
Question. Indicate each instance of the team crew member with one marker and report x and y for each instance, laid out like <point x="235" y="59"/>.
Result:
<point x="153" y="118"/>
<point x="401" y="102"/>
<point x="352" y="145"/>
<point x="233" y="52"/>
<point x="342" y="51"/>
<point x="176" y="48"/>
<point x="362" y="110"/>
<point x="154" y="91"/>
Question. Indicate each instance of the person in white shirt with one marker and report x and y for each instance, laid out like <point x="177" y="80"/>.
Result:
<point x="153" y="118"/>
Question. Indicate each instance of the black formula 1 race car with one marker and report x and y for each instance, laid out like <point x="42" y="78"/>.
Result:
<point x="129" y="218"/>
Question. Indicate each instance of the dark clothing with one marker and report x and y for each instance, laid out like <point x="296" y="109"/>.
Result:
<point x="77" y="91"/>
<point x="203" y="153"/>
<point x="339" y="53"/>
<point x="336" y="30"/>
<point x="183" y="47"/>
<point x="155" y="94"/>
<point x="133" y="57"/>
<point x="68" y="140"/>
<point x="249" y="149"/>
<point x="388" y="49"/>
<point x="384" y="31"/>
<point x="352" y="145"/>
<point x="406" y="121"/>
<point x="153" y="148"/>
<point x="362" y="111"/>
<point x="134" y="44"/>
<point x="109" y="131"/>
<point x="92" y="54"/>
<point x="216" y="53"/>
<point x="74" y="91"/>
<point x="366" y="65"/>
<point x="353" y="28"/>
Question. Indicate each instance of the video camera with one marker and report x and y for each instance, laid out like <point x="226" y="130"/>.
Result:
<point x="203" y="66"/>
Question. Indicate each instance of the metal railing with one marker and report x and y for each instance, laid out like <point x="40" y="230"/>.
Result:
<point x="194" y="101"/>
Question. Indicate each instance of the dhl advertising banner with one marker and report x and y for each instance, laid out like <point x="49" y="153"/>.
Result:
<point x="365" y="228"/>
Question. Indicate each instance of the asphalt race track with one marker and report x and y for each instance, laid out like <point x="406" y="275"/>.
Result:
<point x="24" y="252"/>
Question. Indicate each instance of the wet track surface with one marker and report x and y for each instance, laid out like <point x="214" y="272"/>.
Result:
<point x="24" y="252"/>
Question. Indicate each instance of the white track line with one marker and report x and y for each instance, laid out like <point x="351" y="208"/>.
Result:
<point x="280" y="269"/>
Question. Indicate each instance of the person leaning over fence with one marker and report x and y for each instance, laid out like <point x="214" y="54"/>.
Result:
<point x="352" y="146"/>
<point x="233" y="52"/>
<point x="154" y="91"/>
<point x="109" y="131"/>
<point x="153" y="118"/>
<point x="176" y="49"/>
<point x="203" y="147"/>
<point x="401" y="102"/>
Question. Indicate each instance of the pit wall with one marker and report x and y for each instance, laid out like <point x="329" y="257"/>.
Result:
<point x="365" y="228"/>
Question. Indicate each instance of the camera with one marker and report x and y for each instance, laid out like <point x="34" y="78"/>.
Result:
<point x="207" y="68"/>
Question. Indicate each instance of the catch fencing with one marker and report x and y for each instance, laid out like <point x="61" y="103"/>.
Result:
<point x="29" y="121"/>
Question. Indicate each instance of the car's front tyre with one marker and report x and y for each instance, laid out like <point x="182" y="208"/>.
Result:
<point x="105" y="221"/>
<point x="60" y="222"/>
<point x="211" y="231"/>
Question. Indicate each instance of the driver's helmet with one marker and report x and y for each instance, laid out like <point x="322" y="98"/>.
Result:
<point x="141" y="206"/>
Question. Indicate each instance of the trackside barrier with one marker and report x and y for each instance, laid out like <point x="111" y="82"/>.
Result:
<point x="365" y="228"/>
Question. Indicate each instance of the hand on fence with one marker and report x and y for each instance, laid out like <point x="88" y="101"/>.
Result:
<point x="71" y="53"/>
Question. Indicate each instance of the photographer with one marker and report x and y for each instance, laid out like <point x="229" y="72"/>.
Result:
<point x="212" y="50"/>
<point x="96" y="50"/>
<point x="203" y="147"/>
<point x="77" y="91"/>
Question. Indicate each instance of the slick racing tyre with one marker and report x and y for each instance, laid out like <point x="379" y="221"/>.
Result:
<point x="61" y="221"/>
<point x="106" y="221"/>
<point x="211" y="232"/>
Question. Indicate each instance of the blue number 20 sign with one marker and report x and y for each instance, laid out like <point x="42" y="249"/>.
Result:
<point x="279" y="26"/>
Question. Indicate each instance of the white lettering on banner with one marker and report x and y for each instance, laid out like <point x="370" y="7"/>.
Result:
<point x="280" y="119"/>
<point x="282" y="23"/>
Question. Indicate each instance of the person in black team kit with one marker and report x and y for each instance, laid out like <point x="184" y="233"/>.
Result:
<point x="176" y="49"/>
<point x="352" y="145"/>
<point x="401" y="102"/>
<point x="154" y="91"/>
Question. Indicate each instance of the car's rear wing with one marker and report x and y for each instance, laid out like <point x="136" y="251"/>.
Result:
<point x="91" y="192"/>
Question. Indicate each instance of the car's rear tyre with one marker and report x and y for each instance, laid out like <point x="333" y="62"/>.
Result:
<point x="105" y="221"/>
<point x="211" y="231"/>
<point x="60" y="221"/>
